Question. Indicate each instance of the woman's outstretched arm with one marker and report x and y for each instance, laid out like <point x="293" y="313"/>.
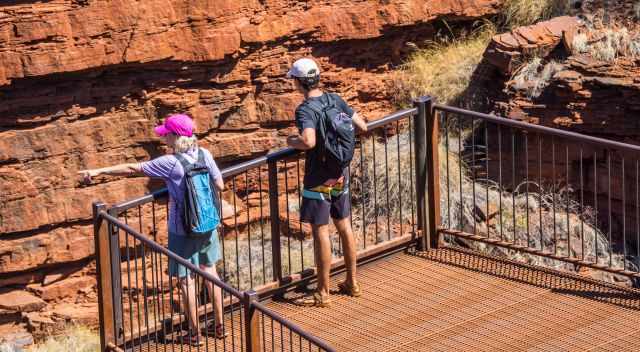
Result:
<point x="117" y="170"/>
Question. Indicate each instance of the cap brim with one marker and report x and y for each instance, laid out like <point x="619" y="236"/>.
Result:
<point x="161" y="130"/>
<point x="290" y="74"/>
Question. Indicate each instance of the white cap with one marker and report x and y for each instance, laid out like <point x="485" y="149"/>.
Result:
<point x="303" y="68"/>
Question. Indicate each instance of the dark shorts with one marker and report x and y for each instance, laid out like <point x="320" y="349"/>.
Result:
<point x="317" y="211"/>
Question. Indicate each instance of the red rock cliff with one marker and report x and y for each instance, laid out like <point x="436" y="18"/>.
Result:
<point x="83" y="81"/>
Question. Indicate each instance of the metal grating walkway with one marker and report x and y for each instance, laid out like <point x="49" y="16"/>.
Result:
<point x="450" y="300"/>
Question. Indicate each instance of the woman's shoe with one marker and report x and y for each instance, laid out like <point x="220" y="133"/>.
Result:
<point x="216" y="330"/>
<point x="192" y="339"/>
<point x="353" y="290"/>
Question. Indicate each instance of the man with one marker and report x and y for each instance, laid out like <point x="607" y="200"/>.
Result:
<point x="325" y="191"/>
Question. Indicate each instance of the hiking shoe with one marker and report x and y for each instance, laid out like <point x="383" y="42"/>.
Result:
<point x="315" y="300"/>
<point x="350" y="289"/>
<point x="192" y="339"/>
<point x="216" y="330"/>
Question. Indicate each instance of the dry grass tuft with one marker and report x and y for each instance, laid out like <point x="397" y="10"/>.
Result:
<point x="443" y="69"/>
<point x="533" y="76"/>
<point x="518" y="13"/>
<point x="607" y="45"/>
<point x="76" y="338"/>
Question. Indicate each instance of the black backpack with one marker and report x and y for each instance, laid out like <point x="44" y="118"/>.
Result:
<point x="337" y="139"/>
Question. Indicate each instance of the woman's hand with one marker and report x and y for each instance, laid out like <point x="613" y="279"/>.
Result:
<point x="88" y="174"/>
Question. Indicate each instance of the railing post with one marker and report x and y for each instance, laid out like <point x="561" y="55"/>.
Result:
<point x="274" y="213"/>
<point x="105" y="290"/>
<point x="116" y="280"/>
<point x="433" y="176"/>
<point x="420" y="147"/>
<point x="252" y="323"/>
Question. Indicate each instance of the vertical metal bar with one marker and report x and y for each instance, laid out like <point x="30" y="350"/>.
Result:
<point x="595" y="201"/>
<point x="252" y="322"/>
<point x="473" y="169"/>
<point x="582" y="203"/>
<point x="460" y="163"/>
<point x="445" y="122"/>
<point x="116" y="281"/>
<point x="375" y="187"/>
<point x="420" y="146"/>
<point x="526" y="175"/>
<point x="400" y="189"/>
<point x="609" y="206"/>
<point x="300" y="207"/>
<point x="486" y="161"/>
<point x="637" y="210"/>
<point x="513" y="184"/>
<point x="500" y="181"/>
<point x="274" y="213"/>
<point x="386" y="178"/>
<point x="264" y="265"/>
<point x="363" y="170"/>
<point x="624" y="221"/>
<point x="540" y="191"/>
<point x="553" y="202"/>
<point x="433" y="176"/>
<point x="567" y="196"/>
<point x="412" y="176"/>
<point x="235" y="229"/>
<point x="246" y="182"/>
<point x="286" y="195"/>
<point x="145" y="304"/>
<point x="105" y="290"/>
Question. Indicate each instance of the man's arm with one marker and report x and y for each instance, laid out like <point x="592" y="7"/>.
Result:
<point x="304" y="141"/>
<point x="361" y="125"/>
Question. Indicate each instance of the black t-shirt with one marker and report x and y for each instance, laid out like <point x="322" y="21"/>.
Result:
<point x="314" y="173"/>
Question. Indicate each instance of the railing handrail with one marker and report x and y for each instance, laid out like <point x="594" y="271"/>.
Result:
<point x="292" y="326"/>
<point x="256" y="162"/>
<point x="537" y="128"/>
<point x="159" y="248"/>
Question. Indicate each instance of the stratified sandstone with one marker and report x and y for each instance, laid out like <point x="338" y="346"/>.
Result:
<point x="586" y="95"/>
<point x="83" y="82"/>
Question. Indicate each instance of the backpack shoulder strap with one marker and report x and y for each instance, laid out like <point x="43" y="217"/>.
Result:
<point x="316" y="107"/>
<point x="201" y="157"/>
<point x="185" y="164"/>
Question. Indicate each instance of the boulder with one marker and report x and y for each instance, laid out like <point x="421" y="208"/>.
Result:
<point x="21" y="301"/>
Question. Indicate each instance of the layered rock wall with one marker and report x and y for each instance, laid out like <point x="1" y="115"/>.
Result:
<point x="82" y="82"/>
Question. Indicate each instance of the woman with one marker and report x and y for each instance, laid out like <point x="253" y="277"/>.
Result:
<point x="177" y="133"/>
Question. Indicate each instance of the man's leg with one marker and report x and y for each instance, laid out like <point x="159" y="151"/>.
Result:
<point x="216" y="293"/>
<point x="348" y="248"/>
<point x="323" y="257"/>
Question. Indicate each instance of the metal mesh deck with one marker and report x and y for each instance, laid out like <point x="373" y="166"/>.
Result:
<point x="448" y="300"/>
<point x="451" y="300"/>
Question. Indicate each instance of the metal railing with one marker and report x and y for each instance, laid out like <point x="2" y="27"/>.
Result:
<point x="265" y="247"/>
<point x="425" y="176"/>
<point x="537" y="190"/>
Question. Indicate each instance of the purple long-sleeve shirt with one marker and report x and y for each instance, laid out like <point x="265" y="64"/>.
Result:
<point x="170" y="170"/>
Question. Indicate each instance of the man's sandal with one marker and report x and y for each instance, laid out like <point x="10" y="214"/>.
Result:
<point x="315" y="300"/>
<point x="349" y="289"/>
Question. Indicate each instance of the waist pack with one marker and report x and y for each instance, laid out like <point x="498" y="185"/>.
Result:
<point x="200" y="210"/>
<point x="337" y="136"/>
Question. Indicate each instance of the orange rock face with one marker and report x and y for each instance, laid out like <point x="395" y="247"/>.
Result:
<point x="82" y="83"/>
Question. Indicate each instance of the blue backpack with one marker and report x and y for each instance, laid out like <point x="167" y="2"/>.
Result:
<point x="337" y="138"/>
<point x="200" y="200"/>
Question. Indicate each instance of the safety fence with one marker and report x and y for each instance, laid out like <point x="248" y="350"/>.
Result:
<point x="566" y="197"/>
<point x="265" y="248"/>
<point x="423" y="177"/>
